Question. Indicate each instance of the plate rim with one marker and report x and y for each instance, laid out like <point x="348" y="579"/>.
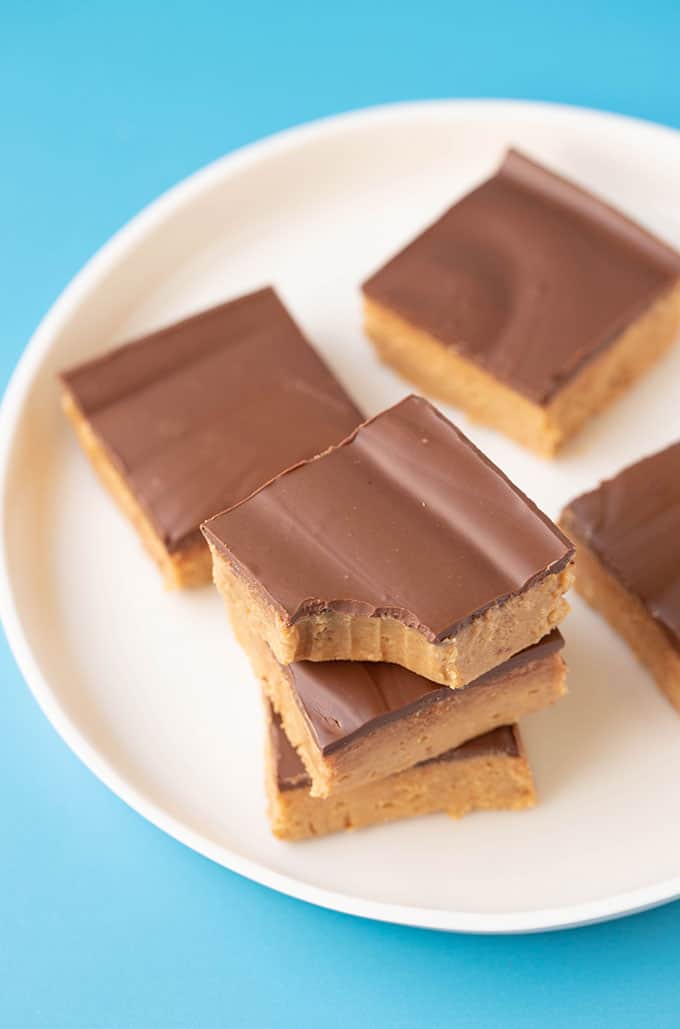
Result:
<point x="11" y="408"/>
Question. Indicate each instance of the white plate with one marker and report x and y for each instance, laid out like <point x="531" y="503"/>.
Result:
<point x="148" y="687"/>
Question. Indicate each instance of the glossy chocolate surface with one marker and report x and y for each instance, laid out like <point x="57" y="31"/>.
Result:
<point x="291" y="773"/>
<point x="406" y="518"/>
<point x="528" y="276"/>
<point x="200" y="414"/>
<point x="342" y="700"/>
<point x="632" y="524"/>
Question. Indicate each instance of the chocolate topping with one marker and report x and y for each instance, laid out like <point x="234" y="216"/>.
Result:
<point x="200" y="414"/>
<point x="528" y="276"/>
<point x="405" y="518"/>
<point x="342" y="700"/>
<point x="632" y="523"/>
<point x="291" y="773"/>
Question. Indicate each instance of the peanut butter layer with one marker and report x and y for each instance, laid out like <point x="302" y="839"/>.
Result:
<point x="357" y="722"/>
<point x="628" y="536"/>
<point x="514" y="291"/>
<point x="402" y="544"/>
<point x="488" y="773"/>
<point x="191" y="419"/>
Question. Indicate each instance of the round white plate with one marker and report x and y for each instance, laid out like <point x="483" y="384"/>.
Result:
<point x="149" y="688"/>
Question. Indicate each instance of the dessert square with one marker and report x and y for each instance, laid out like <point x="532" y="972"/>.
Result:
<point x="191" y="419"/>
<point x="530" y="303"/>
<point x="354" y="722"/>
<point x="627" y="534"/>
<point x="488" y="773"/>
<point x="401" y="544"/>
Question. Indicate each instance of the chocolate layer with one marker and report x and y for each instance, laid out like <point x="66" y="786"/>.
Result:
<point x="291" y="774"/>
<point x="200" y="414"/>
<point x="632" y="523"/>
<point x="343" y="700"/>
<point x="528" y="276"/>
<point x="405" y="518"/>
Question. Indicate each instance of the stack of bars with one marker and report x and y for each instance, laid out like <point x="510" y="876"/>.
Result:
<point x="399" y="599"/>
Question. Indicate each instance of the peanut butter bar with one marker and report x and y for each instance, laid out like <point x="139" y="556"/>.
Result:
<point x="627" y="534"/>
<point x="488" y="773"/>
<point x="530" y="303"/>
<point x="356" y="722"/>
<point x="402" y="544"/>
<point x="189" y="420"/>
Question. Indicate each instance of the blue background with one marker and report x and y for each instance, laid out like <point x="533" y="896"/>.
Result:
<point x="103" y="920"/>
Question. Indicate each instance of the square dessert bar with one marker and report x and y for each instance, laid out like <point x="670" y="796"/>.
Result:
<point x="627" y="534"/>
<point x="356" y="722"/>
<point x="488" y="773"/>
<point x="402" y="544"/>
<point x="189" y="420"/>
<point x="530" y="303"/>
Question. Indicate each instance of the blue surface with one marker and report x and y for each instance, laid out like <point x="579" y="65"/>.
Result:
<point x="105" y="922"/>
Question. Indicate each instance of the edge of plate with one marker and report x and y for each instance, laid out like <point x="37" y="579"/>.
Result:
<point x="85" y="281"/>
